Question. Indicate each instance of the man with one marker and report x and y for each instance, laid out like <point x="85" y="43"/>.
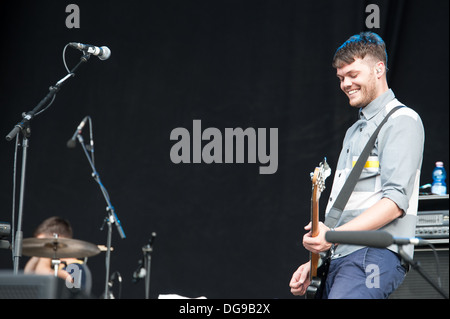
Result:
<point x="386" y="194"/>
<point x="43" y="266"/>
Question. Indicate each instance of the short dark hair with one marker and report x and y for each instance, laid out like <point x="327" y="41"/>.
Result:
<point x="54" y="225"/>
<point x="358" y="46"/>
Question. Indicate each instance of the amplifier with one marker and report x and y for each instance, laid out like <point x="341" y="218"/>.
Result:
<point x="415" y="286"/>
<point x="31" y="286"/>
<point x="432" y="217"/>
<point x="21" y="286"/>
<point x="432" y="225"/>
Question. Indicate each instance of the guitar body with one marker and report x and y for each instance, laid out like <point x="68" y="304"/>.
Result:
<point x="319" y="267"/>
<point x="317" y="285"/>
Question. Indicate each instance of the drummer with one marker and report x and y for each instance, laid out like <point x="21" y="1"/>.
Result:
<point x="43" y="266"/>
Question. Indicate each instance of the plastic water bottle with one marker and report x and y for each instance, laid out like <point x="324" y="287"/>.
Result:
<point x="438" y="186"/>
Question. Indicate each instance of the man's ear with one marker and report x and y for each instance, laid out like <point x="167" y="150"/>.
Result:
<point x="380" y="69"/>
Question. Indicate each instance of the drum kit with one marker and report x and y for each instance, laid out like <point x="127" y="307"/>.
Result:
<point x="58" y="248"/>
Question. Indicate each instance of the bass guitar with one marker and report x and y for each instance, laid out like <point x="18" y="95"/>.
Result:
<point x="319" y="266"/>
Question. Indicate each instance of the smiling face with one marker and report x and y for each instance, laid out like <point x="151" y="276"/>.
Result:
<point x="362" y="81"/>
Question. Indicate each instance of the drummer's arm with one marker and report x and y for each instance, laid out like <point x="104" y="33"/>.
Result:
<point x="30" y="266"/>
<point x="43" y="266"/>
<point x="39" y="266"/>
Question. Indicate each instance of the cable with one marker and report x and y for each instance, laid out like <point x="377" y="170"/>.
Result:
<point x="91" y="140"/>
<point x="48" y="105"/>
<point x="64" y="58"/>
<point x="436" y="257"/>
<point x="68" y="72"/>
<point x="111" y="284"/>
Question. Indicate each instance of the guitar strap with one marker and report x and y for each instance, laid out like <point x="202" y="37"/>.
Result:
<point x="336" y="210"/>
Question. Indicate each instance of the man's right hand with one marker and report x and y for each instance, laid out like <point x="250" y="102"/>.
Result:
<point x="300" y="280"/>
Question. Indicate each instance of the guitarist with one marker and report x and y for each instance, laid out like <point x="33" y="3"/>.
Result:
<point x="386" y="194"/>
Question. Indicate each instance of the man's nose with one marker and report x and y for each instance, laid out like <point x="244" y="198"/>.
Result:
<point x="346" y="83"/>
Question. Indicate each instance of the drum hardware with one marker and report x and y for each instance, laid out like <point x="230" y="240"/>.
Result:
<point x="57" y="248"/>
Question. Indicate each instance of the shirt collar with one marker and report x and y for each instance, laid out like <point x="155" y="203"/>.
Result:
<point x="371" y="109"/>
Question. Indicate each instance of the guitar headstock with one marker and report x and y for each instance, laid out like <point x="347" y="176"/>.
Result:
<point x="320" y="175"/>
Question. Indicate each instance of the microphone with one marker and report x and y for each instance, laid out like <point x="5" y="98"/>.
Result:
<point x="103" y="52"/>
<point x="114" y="275"/>
<point x="152" y="239"/>
<point x="139" y="273"/>
<point x="410" y="241"/>
<point x="71" y="143"/>
<point x="377" y="238"/>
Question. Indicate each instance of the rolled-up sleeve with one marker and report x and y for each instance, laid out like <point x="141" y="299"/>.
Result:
<point x="400" y="145"/>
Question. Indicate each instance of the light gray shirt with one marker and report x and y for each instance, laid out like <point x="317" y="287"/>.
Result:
<point x="391" y="171"/>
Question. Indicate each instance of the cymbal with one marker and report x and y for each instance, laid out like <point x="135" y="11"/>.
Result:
<point x="58" y="248"/>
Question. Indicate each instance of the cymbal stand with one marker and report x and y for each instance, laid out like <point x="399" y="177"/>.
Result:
<point x="55" y="261"/>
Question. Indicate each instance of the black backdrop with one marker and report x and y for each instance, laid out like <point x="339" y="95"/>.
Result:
<point x="223" y="230"/>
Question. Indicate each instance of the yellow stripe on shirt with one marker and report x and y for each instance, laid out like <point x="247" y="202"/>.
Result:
<point x="369" y="164"/>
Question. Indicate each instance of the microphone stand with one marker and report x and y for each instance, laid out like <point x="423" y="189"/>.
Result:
<point x="147" y="250"/>
<point x="109" y="220"/>
<point x="24" y="127"/>
<point x="416" y="266"/>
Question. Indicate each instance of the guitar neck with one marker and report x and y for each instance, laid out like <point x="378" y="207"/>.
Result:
<point x="314" y="232"/>
<point x="314" y="215"/>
